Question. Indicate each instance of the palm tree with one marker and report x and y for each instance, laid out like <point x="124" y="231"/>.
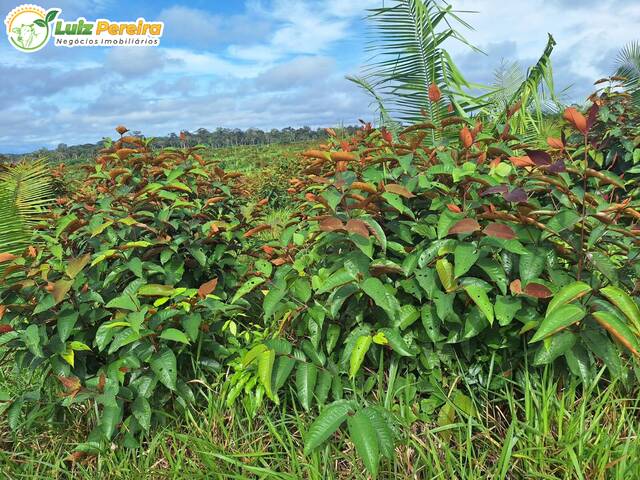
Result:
<point x="409" y="56"/>
<point x="628" y="66"/>
<point x="25" y="192"/>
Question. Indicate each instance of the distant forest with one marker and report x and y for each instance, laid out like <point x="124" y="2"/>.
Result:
<point x="220" y="137"/>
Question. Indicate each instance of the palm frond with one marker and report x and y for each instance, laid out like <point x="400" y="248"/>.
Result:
<point x="408" y="56"/>
<point x="628" y="65"/>
<point x="25" y="193"/>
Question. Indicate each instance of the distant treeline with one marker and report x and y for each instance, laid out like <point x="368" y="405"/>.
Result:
<point x="220" y="137"/>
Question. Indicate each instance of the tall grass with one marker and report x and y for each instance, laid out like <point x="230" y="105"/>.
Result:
<point x="535" y="427"/>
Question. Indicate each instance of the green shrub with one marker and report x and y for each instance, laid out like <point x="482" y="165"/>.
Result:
<point x="130" y="294"/>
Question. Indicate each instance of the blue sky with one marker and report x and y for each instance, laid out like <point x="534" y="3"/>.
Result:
<point x="267" y="63"/>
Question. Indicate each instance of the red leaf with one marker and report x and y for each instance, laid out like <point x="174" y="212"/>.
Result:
<point x="258" y="229"/>
<point x="466" y="225"/>
<point x="465" y="137"/>
<point x="454" y="208"/>
<point x="517" y="195"/>
<point x="537" y="290"/>
<point x="574" y="117"/>
<point x="539" y="157"/>
<point x="516" y="287"/>
<point x="555" y="143"/>
<point x="207" y="288"/>
<point x="499" y="230"/>
<point x="522" y="161"/>
<point x="5" y="329"/>
<point x="331" y="224"/>
<point x="358" y="227"/>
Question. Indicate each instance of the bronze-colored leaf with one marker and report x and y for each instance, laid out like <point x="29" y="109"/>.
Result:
<point x="331" y="224"/>
<point x="537" y="290"/>
<point x="466" y="225"/>
<point x="574" y="117"/>
<point x="398" y="190"/>
<point x="358" y="227"/>
<point x="499" y="230"/>
<point x="207" y="288"/>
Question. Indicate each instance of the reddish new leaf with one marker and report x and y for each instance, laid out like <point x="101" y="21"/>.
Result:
<point x="516" y="287"/>
<point x="466" y="138"/>
<point x="517" y="195"/>
<point x="454" y="208"/>
<point x="537" y="290"/>
<point x="256" y="230"/>
<point x="539" y="157"/>
<point x="499" y="230"/>
<point x="466" y="225"/>
<point x="398" y="190"/>
<point x="521" y="161"/>
<point x="358" y="227"/>
<point x="331" y="224"/>
<point x="575" y="118"/>
<point x="207" y="288"/>
<point x="555" y="143"/>
<point x="7" y="257"/>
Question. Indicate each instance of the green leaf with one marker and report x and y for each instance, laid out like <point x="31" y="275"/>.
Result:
<point x="163" y="364"/>
<point x="323" y="386"/>
<point x="282" y="369"/>
<point x="531" y="267"/>
<point x="506" y="309"/>
<point x="357" y="354"/>
<point x="111" y="416"/>
<point x="247" y="287"/>
<point x="75" y="266"/>
<point x="560" y="318"/>
<point x="625" y="303"/>
<point x="272" y="299"/>
<point x="567" y="294"/>
<point x="464" y="257"/>
<point x="31" y="339"/>
<point x="383" y="431"/>
<point x="266" y="360"/>
<point x="66" y="321"/>
<point x="618" y="330"/>
<point x="175" y="335"/>
<point x="306" y="376"/>
<point x="376" y="290"/>
<point x="365" y="439"/>
<point x="480" y="298"/>
<point x="336" y="279"/>
<point x="445" y="273"/>
<point x="553" y="347"/>
<point x="156" y="290"/>
<point x="329" y="420"/>
<point x="124" y="302"/>
<point x="142" y="412"/>
<point x="396" y="342"/>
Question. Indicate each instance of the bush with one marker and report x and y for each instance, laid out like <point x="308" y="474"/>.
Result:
<point x="127" y="295"/>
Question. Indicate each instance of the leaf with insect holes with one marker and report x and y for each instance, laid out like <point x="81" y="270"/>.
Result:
<point x="499" y="230"/>
<point x="466" y="225"/>
<point x="325" y="425"/>
<point x="559" y="319"/>
<point x="481" y="299"/>
<point x="465" y="256"/>
<point x="618" y="330"/>
<point x="163" y="364"/>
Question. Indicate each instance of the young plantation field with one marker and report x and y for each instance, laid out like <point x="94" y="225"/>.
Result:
<point x="451" y="294"/>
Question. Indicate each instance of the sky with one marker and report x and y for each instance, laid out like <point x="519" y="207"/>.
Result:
<point x="269" y="63"/>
